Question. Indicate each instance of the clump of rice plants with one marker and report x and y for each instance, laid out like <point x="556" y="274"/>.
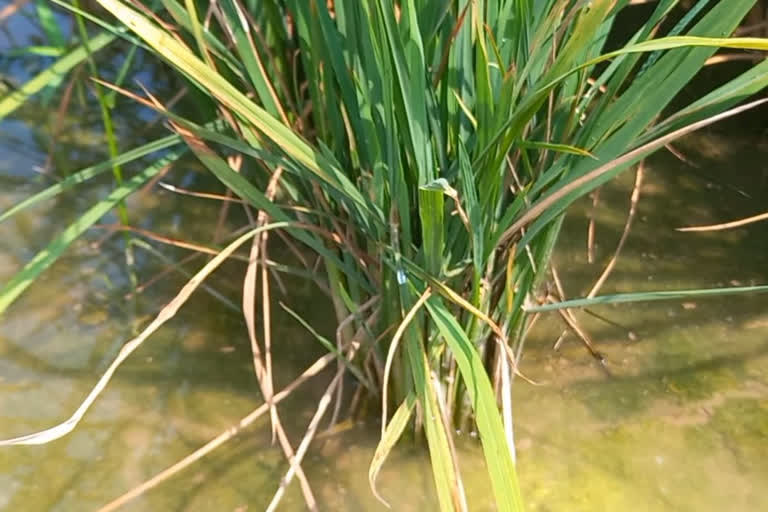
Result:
<point x="426" y="153"/>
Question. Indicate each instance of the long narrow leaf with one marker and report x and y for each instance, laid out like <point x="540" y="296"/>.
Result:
<point x="91" y="172"/>
<point x="165" y="314"/>
<point x="178" y="55"/>
<point x="45" y="258"/>
<point x="15" y="99"/>
<point x="392" y="434"/>
<point x="497" y="454"/>
<point x="647" y="297"/>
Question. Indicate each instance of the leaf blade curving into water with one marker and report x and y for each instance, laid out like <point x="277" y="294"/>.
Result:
<point x="168" y="312"/>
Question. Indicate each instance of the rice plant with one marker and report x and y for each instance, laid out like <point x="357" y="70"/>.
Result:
<point x="425" y="152"/>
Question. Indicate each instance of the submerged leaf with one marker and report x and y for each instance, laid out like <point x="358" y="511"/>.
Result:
<point x="45" y="258"/>
<point x="389" y="439"/>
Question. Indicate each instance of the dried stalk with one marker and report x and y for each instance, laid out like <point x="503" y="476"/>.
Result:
<point x="225" y="436"/>
<point x="624" y="234"/>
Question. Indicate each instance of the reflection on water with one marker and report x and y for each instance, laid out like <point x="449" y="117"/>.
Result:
<point x="680" y="424"/>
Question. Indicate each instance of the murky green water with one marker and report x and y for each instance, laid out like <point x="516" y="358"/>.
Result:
<point x="678" y="423"/>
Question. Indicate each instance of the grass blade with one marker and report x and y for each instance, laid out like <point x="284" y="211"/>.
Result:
<point x="45" y="258"/>
<point x="392" y="433"/>
<point x="168" y="312"/>
<point x="329" y="346"/>
<point x="577" y="187"/>
<point x="91" y="172"/>
<point x="54" y="72"/>
<point x="498" y="455"/>
<point x="620" y="298"/>
<point x="180" y="56"/>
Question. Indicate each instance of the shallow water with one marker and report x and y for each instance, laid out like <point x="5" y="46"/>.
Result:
<point x="676" y="421"/>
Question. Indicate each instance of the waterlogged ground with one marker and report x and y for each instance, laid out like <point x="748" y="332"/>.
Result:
<point x="677" y="420"/>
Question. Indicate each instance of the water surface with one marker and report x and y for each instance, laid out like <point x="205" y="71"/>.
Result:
<point x="676" y="421"/>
